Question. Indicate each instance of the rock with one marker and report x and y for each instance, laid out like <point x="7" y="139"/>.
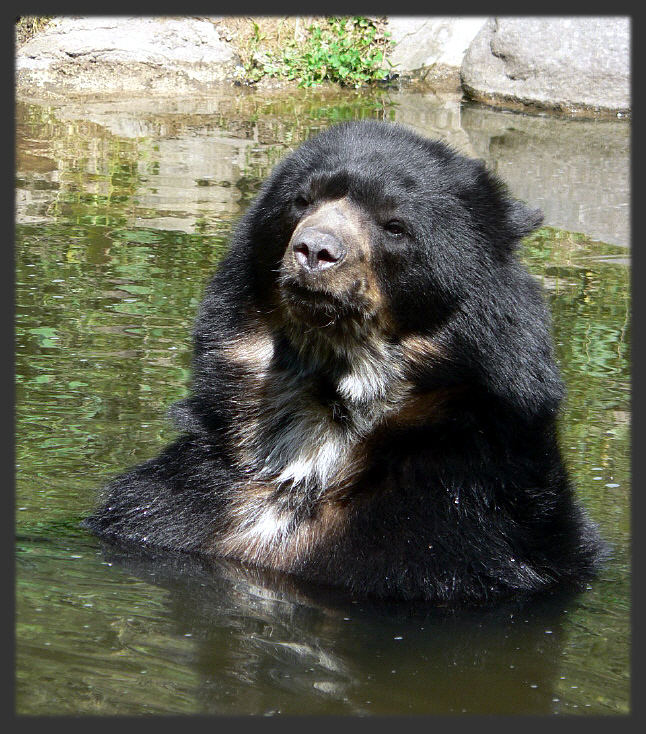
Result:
<point x="571" y="64"/>
<point x="437" y="43"/>
<point x="124" y="54"/>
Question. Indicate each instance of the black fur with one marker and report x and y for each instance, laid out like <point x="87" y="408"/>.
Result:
<point x="422" y="358"/>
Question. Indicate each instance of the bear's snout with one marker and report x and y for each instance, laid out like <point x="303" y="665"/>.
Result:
<point x="327" y="254"/>
<point x="316" y="250"/>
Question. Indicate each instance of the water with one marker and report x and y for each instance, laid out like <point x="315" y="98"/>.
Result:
<point x="123" y="210"/>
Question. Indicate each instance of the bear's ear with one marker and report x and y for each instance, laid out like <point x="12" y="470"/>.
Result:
<point x="522" y="219"/>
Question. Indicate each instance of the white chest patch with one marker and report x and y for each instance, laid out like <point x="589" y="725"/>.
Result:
<point x="264" y="528"/>
<point x="373" y="374"/>
<point x="286" y="435"/>
<point x="314" y="461"/>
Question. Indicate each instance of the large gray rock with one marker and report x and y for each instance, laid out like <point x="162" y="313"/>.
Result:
<point x="124" y="54"/>
<point x="562" y="63"/>
<point x="423" y="42"/>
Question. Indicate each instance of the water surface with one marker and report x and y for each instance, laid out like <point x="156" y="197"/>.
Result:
<point x="123" y="211"/>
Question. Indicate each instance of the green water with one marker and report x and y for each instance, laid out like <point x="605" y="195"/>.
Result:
<point x="123" y="210"/>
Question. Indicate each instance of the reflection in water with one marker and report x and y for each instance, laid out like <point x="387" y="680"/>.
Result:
<point x="235" y="640"/>
<point x="188" y="167"/>
<point x="123" y="211"/>
<point x="547" y="161"/>
<point x="288" y="644"/>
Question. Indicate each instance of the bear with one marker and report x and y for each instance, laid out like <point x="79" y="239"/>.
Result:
<point x="374" y="393"/>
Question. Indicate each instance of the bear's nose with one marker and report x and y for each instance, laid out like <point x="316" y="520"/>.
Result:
<point x="315" y="250"/>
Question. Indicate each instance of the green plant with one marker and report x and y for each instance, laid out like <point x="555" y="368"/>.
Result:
<point x="346" y="50"/>
<point x="254" y="61"/>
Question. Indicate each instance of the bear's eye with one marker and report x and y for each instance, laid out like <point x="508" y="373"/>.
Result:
<point x="301" y="202"/>
<point x="395" y="227"/>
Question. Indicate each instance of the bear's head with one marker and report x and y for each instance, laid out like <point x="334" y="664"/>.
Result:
<point x="369" y="220"/>
<point x="369" y="230"/>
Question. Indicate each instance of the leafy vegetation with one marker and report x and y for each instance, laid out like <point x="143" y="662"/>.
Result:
<point x="351" y="51"/>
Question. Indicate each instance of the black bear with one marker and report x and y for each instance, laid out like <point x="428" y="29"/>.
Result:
<point x="374" y="393"/>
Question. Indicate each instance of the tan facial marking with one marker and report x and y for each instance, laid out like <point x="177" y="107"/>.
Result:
<point x="354" y="274"/>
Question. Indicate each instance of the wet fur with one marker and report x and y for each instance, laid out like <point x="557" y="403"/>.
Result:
<point x="387" y="425"/>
